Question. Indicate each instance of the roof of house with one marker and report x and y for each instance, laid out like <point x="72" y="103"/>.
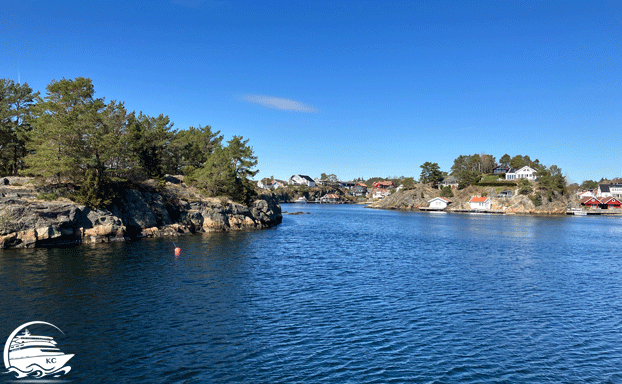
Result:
<point x="512" y="170"/>
<point x="330" y="196"/>
<point x="440" y="198"/>
<point x="604" y="187"/>
<point x="588" y="198"/>
<point x="449" y="180"/>
<point x="478" y="200"/>
<point x="609" y="200"/>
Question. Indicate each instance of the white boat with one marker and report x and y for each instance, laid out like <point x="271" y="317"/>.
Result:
<point x="301" y="200"/>
<point x="29" y="353"/>
<point x="578" y="212"/>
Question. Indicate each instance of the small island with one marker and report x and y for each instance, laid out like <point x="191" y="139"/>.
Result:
<point x="78" y="169"/>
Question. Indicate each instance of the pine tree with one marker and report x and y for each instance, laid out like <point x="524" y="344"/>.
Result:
<point x="227" y="171"/>
<point x="16" y="101"/>
<point x="65" y="120"/>
<point x="217" y="175"/>
<point x="148" y="139"/>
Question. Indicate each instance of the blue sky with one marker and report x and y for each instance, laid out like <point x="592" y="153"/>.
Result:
<point x="358" y="89"/>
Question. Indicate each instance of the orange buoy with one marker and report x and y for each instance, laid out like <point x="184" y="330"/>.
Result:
<point x="177" y="251"/>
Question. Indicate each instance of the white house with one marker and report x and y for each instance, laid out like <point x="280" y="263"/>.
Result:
<point x="480" y="203"/>
<point x="583" y="194"/>
<point x="609" y="190"/>
<point x="380" y="194"/>
<point x="439" y="203"/>
<point x="319" y="181"/>
<point x="449" y="181"/>
<point x="525" y="172"/>
<point x="301" y="180"/>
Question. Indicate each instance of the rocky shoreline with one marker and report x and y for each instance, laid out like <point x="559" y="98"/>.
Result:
<point x="419" y="197"/>
<point x="154" y="210"/>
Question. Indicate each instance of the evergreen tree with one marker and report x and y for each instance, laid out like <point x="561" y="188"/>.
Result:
<point x="242" y="157"/>
<point x="447" y="192"/>
<point x="467" y="177"/>
<point x="589" y="184"/>
<point x="430" y="173"/>
<point x="148" y="139"/>
<point x="64" y="121"/>
<point x="114" y="153"/>
<point x="16" y="101"/>
<point x="217" y="175"/>
<point x="505" y="160"/>
<point x="488" y="162"/>
<point x="227" y="171"/>
<point x="189" y="148"/>
<point x="244" y="161"/>
<point x="551" y="180"/>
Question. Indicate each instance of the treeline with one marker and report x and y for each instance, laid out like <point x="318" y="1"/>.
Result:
<point x="68" y="136"/>
<point x="474" y="169"/>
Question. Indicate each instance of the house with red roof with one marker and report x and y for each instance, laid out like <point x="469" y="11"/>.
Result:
<point x="383" y="184"/>
<point x="480" y="203"/>
<point x="360" y="189"/>
<point x="610" y="203"/>
<point x="329" y="198"/>
<point x="590" y="202"/>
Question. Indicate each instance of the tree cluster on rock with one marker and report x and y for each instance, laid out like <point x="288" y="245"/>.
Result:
<point x="70" y="136"/>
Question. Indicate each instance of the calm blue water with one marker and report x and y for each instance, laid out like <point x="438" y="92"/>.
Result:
<point x="341" y="295"/>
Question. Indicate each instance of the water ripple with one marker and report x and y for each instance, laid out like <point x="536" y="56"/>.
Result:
<point x="344" y="294"/>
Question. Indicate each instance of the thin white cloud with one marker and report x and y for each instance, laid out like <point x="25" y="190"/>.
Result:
<point x="279" y="103"/>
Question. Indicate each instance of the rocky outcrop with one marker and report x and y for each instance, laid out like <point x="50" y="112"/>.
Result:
<point x="27" y="221"/>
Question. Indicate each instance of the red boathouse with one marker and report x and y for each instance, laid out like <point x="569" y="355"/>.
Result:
<point x="591" y="202"/>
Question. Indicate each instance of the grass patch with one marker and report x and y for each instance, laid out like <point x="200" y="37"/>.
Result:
<point x="51" y="196"/>
<point x="496" y="183"/>
<point x="488" y="178"/>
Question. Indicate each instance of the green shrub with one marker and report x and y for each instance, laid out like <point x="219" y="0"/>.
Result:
<point x="536" y="199"/>
<point x="447" y="192"/>
<point x="95" y="192"/>
<point x="525" y="187"/>
<point x="50" y="196"/>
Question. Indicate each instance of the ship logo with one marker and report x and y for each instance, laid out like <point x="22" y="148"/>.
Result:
<point x="28" y="355"/>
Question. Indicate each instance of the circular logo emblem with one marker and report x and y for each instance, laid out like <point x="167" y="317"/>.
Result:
<point x="34" y="355"/>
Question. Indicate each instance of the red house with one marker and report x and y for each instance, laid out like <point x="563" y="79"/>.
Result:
<point x="610" y="202"/>
<point x="383" y="184"/>
<point x="591" y="202"/>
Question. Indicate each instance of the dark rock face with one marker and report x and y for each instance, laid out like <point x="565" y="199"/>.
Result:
<point x="27" y="222"/>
